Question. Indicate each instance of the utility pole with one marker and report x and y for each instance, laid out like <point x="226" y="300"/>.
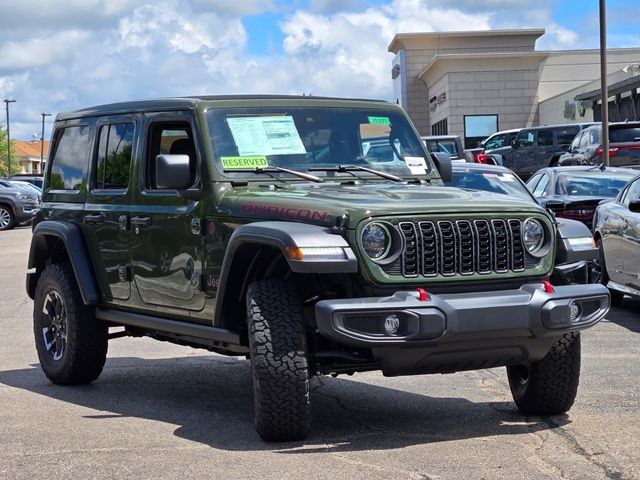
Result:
<point x="42" y="141"/>
<point x="7" y="102"/>
<point x="604" y="91"/>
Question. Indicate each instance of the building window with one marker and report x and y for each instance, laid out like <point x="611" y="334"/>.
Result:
<point x="440" y="128"/>
<point x="477" y="128"/>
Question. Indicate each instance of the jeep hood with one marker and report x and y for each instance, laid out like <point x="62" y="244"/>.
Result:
<point x="322" y="203"/>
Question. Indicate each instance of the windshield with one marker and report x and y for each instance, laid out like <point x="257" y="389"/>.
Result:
<point x="590" y="185"/>
<point x="303" y="138"/>
<point x="504" y="183"/>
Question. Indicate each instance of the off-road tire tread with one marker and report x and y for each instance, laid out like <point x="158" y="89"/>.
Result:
<point x="87" y="338"/>
<point x="278" y="350"/>
<point x="553" y="381"/>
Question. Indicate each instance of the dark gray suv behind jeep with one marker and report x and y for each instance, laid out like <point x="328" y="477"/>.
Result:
<point x="17" y="205"/>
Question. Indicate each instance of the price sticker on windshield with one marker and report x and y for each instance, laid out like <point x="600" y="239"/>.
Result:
<point x="417" y="165"/>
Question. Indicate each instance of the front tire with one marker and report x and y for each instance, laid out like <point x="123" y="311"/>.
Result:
<point x="278" y="349"/>
<point x="548" y="386"/>
<point x="7" y="220"/>
<point x="71" y="342"/>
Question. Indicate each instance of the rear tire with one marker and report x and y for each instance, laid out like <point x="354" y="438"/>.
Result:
<point x="278" y="349"/>
<point x="548" y="386"/>
<point x="71" y="342"/>
<point x="7" y="220"/>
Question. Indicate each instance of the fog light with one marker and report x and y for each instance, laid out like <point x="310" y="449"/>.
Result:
<point x="391" y="324"/>
<point x="574" y="312"/>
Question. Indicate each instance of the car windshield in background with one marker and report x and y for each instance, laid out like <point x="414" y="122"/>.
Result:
<point x="496" y="182"/>
<point x="619" y="135"/>
<point x="445" y="146"/>
<point x="303" y="138"/>
<point x="596" y="185"/>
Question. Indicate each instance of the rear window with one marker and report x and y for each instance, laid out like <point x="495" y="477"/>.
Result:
<point x="624" y="134"/>
<point x="574" y="184"/>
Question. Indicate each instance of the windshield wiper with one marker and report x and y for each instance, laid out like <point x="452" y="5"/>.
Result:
<point x="356" y="168"/>
<point x="268" y="170"/>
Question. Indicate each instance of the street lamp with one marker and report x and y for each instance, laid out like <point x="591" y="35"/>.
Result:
<point x="7" y="102"/>
<point x="42" y="139"/>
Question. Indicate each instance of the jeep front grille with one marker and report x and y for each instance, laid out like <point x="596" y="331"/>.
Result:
<point x="461" y="247"/>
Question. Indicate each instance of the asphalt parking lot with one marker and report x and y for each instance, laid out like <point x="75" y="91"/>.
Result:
<point x="164" y="411"/>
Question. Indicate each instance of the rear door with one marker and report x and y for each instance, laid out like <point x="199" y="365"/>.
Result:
<point x="167" y="245"/>
<point x="106" y="213"/>
<point x="522" y="155"/>
<point x="544" y="150"/>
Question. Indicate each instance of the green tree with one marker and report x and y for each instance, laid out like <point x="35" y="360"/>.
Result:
<point x="4" y="168"/>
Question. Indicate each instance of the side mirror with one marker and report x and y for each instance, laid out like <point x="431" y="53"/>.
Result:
<point x="173" y="172"/>
<point x="443" y="164"/>
<point x="634" y="206"/>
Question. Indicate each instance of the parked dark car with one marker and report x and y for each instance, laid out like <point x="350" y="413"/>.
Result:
<point x="576" y="248"/>
<point x="624" y="146"/>
<point x="449" y="144"/>
<point x="33" y="178"/>
<point x="537" y="147"/>
<point x="17" y="205"/>
<point x="616" y="228"/>
<point x="575" y="192"/>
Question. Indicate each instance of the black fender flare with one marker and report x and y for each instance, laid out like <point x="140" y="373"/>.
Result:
<point x="71" y="236"/>
<point x="283" y="236"/>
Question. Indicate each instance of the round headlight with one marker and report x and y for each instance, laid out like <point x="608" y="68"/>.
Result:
<point x="376" y="240"/>
<point x="532" y="236"/>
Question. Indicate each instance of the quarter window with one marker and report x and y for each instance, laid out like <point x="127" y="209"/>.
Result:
<point x="70" y="156"/>
<point x="113" y="163"/>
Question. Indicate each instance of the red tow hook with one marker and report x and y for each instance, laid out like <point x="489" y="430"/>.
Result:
<point x="423" y="296"/>
<point x="548" y="288"/>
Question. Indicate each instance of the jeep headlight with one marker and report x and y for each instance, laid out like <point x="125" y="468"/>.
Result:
<point x="533" y="237"/>
<point x="376" y="240"/>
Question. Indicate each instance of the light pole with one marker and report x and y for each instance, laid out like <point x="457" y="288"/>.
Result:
<point x="7" y="102"/>
<point x="42" y="140"/>
<point x="604" y="92"/>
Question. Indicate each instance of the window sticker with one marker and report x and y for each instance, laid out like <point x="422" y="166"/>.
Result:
<point x="264" y="136"/>
<point x="417" y="165"/>
<point x="380" y="120"/>
<point x="237" y="163"/>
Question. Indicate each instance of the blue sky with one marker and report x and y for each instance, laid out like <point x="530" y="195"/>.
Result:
<point x="62" y="55"/>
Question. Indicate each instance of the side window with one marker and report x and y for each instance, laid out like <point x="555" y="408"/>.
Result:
<point x="542" y="188"/>
<point x="69" y="158"/>
<point x="113" y="162"/>
<point x="525" y="139"/>
<point x="533" y="181"/>
<point x="567" y="134"/>
<point x="584" y="140"/>
<point x="496" y="142"/>
<point x="632" y="193"/>
<point x="576" y="142"/>
<point x="594" y="138"/>
<point x="545" y="138"/>
<point x="174" y="138"/>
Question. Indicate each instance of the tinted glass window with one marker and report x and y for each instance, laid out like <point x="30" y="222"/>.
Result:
<point x="542" y="188"/>
<point x="71" y="154"/>
<point x="545" y="138"/>
<point x="533" y="181"/>
<point x="596" y="185"/>
<point x="632" y="193"/>
<point x="445" y="146"/>
<point x="504" y="183"/>
<point x="114" y="156"/>
<point x="525" y="139"/>
<point x="594" y="137"/>
<point x="631" y="134"/>
<point x="496" y="142"/>
<point x="567" y="134"/>
<point x="584" y="140"/>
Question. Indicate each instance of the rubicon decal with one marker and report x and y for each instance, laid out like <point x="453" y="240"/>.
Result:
<point x="291" y="213"/>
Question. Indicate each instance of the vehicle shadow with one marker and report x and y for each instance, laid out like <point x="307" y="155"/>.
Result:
<point x="627" y="315"/>
<point x="210" y="401"/>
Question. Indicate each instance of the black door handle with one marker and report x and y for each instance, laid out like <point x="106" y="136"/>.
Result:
<point x="141" y="222"/>
<point x="96" y="219"/>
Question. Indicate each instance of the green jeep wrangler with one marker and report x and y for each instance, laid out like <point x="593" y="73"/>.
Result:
<point x="312" y="235"/>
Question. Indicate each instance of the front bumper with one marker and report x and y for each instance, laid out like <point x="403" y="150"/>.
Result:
<point x="24" y="213"/>
<point x="454" y="332"/>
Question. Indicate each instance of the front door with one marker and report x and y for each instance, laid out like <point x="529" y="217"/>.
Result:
<point x="167" y="246"/>
<point x="107" y="204"/>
